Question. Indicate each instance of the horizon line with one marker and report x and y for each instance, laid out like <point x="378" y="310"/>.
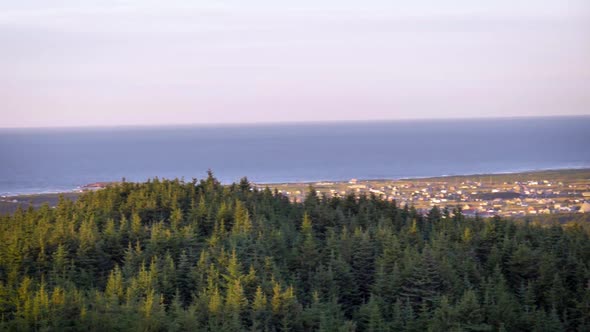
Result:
<point x="302" y="122"/>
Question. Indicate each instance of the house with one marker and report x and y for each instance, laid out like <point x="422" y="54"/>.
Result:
<point x="487" y="214"/>
<point x="469" y="212"/>
<point x="376" y="192"/>
<point x="95" y="186"/>
<point x="544" y="211"/>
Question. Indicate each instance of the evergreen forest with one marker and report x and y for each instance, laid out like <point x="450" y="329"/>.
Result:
<point x="174" y="255"/>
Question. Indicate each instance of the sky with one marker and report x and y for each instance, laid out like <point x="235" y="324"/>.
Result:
<point x="144" y="62"/>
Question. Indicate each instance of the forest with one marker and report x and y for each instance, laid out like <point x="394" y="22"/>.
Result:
<point x="174" y="255"/>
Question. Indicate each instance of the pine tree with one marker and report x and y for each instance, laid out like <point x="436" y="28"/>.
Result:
<point x="470" y="316"/>
<point x="184" y="280"/>
<point x="260" y="314"/>
<point x="444" y="317"/>
<point x="215" y="309"/>
<point x="363" y="265"/>
<point x="242" y="223"/>
<point x="115" y="290"/>
<point x="308" y="256"/>
<point x="371" y="318"/>
<point x="423" y="285"/>
<point x="235" y="303"/>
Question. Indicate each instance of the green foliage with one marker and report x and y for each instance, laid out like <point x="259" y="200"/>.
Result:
<point x="167" y="255"/>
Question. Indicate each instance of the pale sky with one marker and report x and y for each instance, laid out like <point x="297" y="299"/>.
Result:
<point x="142" y="62"/>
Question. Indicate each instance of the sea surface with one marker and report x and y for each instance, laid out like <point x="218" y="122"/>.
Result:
<point x="54" y="160"/>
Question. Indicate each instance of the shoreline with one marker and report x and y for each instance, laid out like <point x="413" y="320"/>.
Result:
<point x="438" y="177"/>
<point x="518" y="193"/>
<point x="89" y="187"/>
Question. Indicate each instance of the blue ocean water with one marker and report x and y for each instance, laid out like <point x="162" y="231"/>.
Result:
<point x="49" y="160"/>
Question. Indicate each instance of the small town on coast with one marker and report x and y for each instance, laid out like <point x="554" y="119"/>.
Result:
<point x="486" y="195"/>
<point x="506" y="195"/>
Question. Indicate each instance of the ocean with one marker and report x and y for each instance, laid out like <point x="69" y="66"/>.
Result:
<point x="61" y="159"/>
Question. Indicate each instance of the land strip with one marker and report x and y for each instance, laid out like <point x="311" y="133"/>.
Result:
<point x="509" y="195"/>
<point x="486" y="195"/>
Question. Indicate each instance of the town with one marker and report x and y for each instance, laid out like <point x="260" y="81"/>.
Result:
<point x="507" y="195"/>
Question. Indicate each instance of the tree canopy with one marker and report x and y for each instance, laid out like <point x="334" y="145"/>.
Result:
<point x="170" y="255"/>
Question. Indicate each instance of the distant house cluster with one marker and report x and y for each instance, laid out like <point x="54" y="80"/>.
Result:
<point x="475" y="198"/>
<point x="94" y="186"/>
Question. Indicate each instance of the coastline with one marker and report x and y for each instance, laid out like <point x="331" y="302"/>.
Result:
<point x="533" y="172"/>
<point x="438" y="177"/>
<point x="60" y="161"/>
<point x="9" y="203"/>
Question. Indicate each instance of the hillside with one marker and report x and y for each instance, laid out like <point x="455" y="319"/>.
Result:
<point x="199" y="256"/>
